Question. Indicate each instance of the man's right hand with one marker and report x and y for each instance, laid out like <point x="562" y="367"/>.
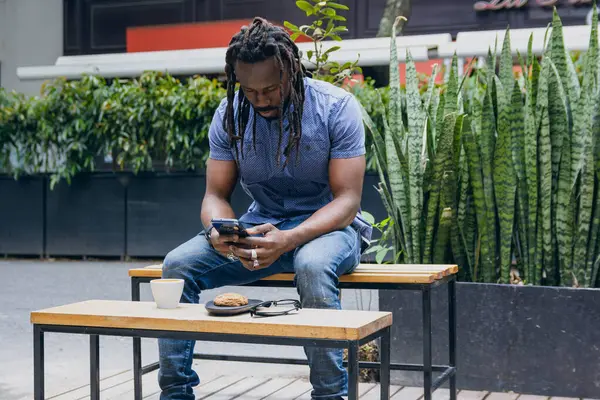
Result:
<point x="221" y="243"/>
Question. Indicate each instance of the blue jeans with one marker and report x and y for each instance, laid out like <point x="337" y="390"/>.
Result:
<point x="317" y="266"/>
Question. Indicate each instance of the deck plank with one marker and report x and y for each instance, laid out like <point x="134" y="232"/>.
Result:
<point x="150" y="388"/>
<point x="441" y="394"/>
<point x="238" y="389"/>
<point x="296" y="389"/>
<point x="532" y="397"/>
<point x="502" y="396"/>
<point x="408" y="393"/>
<point x="82" y="392"/>
<point x="125" y="391"/>
<point x="374" y="393"/>
<point x="215" y="386"/>
<point x="471" y="395"/>
<point x="268" y="388"/>
<point x="564" y="398"/>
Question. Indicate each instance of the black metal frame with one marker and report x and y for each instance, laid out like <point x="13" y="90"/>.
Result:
<point x="137" y="334"/>
<point x="448" y="372"/>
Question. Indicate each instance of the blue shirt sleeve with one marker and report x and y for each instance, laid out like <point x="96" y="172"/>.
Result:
<point x="348" y="131"/>
<point x="218" y="139"/>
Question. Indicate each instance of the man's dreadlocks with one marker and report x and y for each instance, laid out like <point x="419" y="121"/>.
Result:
<point x="256" y="43"/>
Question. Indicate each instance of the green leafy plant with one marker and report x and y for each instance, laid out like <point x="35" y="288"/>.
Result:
<point x="6" y="140"/>
<point x="323" y="29"/>
<point x="380" y="247"/>
<point x="153" y="122"/>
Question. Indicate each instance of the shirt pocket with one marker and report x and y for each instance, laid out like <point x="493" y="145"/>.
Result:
<point x="255" y="166"/>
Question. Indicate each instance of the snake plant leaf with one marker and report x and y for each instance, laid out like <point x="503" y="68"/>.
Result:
<point x="586" y="194"/>
<point x="559" y="125"/>
<point x="477" y="183"/>
<point x="564" y="202"/>
<point x="531" y="173"/>
<point x="402" y="202"/>
<point x="471" y="240"/>
<point x="398" y="182"/>
<point x="583" y="158"/>
<point x="433" y="93"/>
<point x="596" y="140"/>
<point x="584" y="112"/>
<point x="562" y="61"/>
<point x="517" y="125"/>
<point x="453" y="190"/>
<point x="487" y="139"/>
<point x="505" y="182"/>
<point x="378" y="137"/>
<point x="545" y="167"/>
<point x="417" y="124"/>
<point x="442" y="238"/>
<point x="582" y="148"/>
<point x="451" y="95"/>
<point x="594" y="241"/>
<point x="506" y="66"/>
<point x="395" y="104"/>
<point x="530" y="58"/>
<point x="442" y="168"/>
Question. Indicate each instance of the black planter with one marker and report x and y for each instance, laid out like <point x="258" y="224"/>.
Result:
<point x="163" y="211"/>
<point x="87" y="217"/>
<point x="22" y="216"/>
<point x="538" y="340"/>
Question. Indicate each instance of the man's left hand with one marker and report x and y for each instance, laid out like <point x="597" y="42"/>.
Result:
<point x="269" y="247"/>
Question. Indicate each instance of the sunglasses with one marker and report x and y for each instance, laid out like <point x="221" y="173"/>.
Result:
<point x="288" y="305"/>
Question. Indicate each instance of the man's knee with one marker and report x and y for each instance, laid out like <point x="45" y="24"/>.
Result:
<point x="316" y="281"/>
<point x="174" y="266"/>
<point x="312" y="267"/>
<point x="182" y="260"/>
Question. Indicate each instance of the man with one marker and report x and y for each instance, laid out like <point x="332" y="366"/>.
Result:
<point x="297" y="146"/>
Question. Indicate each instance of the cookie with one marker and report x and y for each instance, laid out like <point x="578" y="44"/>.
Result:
<point x="230" y="300"/>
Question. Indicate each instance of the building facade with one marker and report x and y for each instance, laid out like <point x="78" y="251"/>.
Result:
<point x="36" y="32"/>
<point x="31" y="33"/>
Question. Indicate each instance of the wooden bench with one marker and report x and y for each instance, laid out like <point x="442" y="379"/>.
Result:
<point x="421" y="278"/>
<point x="315" y="327"/>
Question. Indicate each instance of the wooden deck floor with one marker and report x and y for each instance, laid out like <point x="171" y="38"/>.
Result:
<point x="229" y="387"/>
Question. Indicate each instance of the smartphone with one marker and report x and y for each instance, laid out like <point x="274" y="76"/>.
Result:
<point x="229" y="226"/>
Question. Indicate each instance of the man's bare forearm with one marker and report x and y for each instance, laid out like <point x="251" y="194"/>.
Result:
<point x="215" y="207"/>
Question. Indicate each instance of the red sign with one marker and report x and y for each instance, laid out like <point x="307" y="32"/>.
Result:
<point x="492" y="5"/>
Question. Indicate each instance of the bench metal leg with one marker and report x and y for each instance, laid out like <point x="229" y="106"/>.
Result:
<point x="137" y="348"/>
<point x="452" y="334"/>
<point x="427" y="364"/>
<point x="353" y="371"/>
<point x="384" y="372"/>
<point x="38" y="362"/>
<point x="94" y="367"/>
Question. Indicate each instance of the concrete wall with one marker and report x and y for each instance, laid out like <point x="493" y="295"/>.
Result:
<point x="31" y="33"/>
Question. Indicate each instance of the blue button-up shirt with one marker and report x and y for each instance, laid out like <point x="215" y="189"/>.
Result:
<point x="332" y="127"/>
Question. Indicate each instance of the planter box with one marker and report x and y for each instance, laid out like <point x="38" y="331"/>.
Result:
<point x="22" y="216"/>
<point x="537" y="340"/>
<point x="117" y="215"/>
<point x="87" y="218"/>
<point x="163" y="211"/>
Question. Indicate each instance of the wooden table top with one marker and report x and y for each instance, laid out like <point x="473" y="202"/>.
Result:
<point x="305" y="323"/>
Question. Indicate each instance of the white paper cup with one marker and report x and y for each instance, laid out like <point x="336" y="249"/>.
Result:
<point x="167" y="292"/>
